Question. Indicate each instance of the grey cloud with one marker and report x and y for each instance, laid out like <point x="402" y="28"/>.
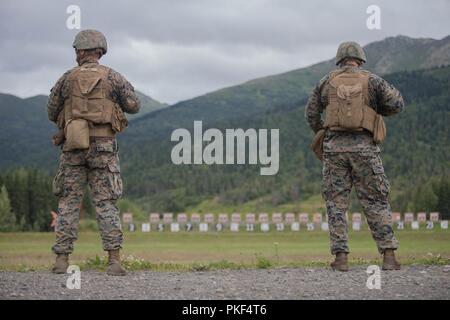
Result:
<point x="175" y="50"/>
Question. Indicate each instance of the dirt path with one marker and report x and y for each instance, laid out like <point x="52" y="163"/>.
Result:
<point x="412" y="282"/>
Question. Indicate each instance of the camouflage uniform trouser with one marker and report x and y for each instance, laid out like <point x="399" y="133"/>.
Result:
<point x="366" y="172"/>
<point x="98" y="166"/>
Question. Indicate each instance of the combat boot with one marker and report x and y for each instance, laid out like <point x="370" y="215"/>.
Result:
<point x="114" y="267"/>
<point x="389" y="261"/>
<point x="61" y="263"/>
<point x="340" y="263"/>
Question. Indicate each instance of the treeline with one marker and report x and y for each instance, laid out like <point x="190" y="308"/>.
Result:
<point x="415" y="155"/>
<point x="432" y="195"/>
<point x="26" y="200"/>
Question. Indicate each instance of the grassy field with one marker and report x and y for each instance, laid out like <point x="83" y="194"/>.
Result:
<point x="311" y="204"/>
<point x="202" y="251"/>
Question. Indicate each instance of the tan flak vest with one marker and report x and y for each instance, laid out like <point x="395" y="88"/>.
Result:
<point x="88" y="111"/>
<point x="348" y="105"/>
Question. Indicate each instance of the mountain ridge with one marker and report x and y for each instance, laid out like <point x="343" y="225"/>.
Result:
<point x="270" y="102"/>
<point x="295" y="85"/>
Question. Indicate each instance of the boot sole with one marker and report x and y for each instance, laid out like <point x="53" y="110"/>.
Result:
<point x="58" y="272"/>
<point x="339" y="269"/>
<point x="390" y="268"/>
<point x="116" y="274"/>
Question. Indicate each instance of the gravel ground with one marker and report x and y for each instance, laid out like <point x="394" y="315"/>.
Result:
<point x="412" y="282"/>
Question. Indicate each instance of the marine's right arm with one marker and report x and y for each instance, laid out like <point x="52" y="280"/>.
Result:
<point x="388" y="99"/>
<point x="315" y="106"/>
<point x="123" y="92"/>
<point x="58" y="95"/>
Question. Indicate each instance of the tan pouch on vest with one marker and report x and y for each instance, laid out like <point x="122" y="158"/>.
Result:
<point x="350" y="112"/>
<point x="77" y="135"/>
<point x="317" y="144"/>
<point x="379" y="129"/>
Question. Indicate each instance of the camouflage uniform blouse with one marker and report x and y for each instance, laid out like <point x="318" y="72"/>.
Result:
<point x="383" y="98"/>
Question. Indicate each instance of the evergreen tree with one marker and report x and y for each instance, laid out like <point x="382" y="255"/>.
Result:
<point x="7" y="218"/>
<point x="443" y="195"/>
<point x="425" y="199"/>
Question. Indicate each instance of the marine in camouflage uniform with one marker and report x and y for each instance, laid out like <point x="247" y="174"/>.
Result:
<point x="97" y="166"/>
<point x="353" y="158"/>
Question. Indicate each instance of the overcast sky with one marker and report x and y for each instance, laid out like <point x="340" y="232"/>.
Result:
<point x="176" y="50"/>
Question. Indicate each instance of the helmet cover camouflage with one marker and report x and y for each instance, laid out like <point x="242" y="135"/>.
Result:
<point x="90" y="39"/>
<point x="350" y="50"/>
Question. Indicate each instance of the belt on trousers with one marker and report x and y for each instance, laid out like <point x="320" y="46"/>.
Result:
<point x="103" y="130"/>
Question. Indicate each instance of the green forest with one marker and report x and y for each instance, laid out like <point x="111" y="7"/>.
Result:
<point x="416" y="153"/>
<point x="26" y="200"/>
<point x="416" y="156"/>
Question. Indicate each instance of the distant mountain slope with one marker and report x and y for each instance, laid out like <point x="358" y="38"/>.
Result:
<point x="387" y="56"/>
<point x="148" y="105"/>
<point x="416" y="150"/>
<point x="403" y="53"/>
<point x="26" y="130"/>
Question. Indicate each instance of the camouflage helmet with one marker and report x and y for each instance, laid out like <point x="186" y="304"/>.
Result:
<point x="350" y="50"/>
<point x="90" y="39"/>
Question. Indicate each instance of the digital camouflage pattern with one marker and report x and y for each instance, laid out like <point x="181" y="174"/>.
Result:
<point x="97" y="166"/>
<point x="90" y="39"/>
<point x="122" y="91"/>
<point x="350" y="49"/>
<point x="352" y="158"/>
<point x="365" y="171"/>
<point x="383" y="98"/>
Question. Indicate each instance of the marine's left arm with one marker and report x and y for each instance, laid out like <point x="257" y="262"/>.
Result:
<point x="388" y="100"/>
<point x="124" y="93"/>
